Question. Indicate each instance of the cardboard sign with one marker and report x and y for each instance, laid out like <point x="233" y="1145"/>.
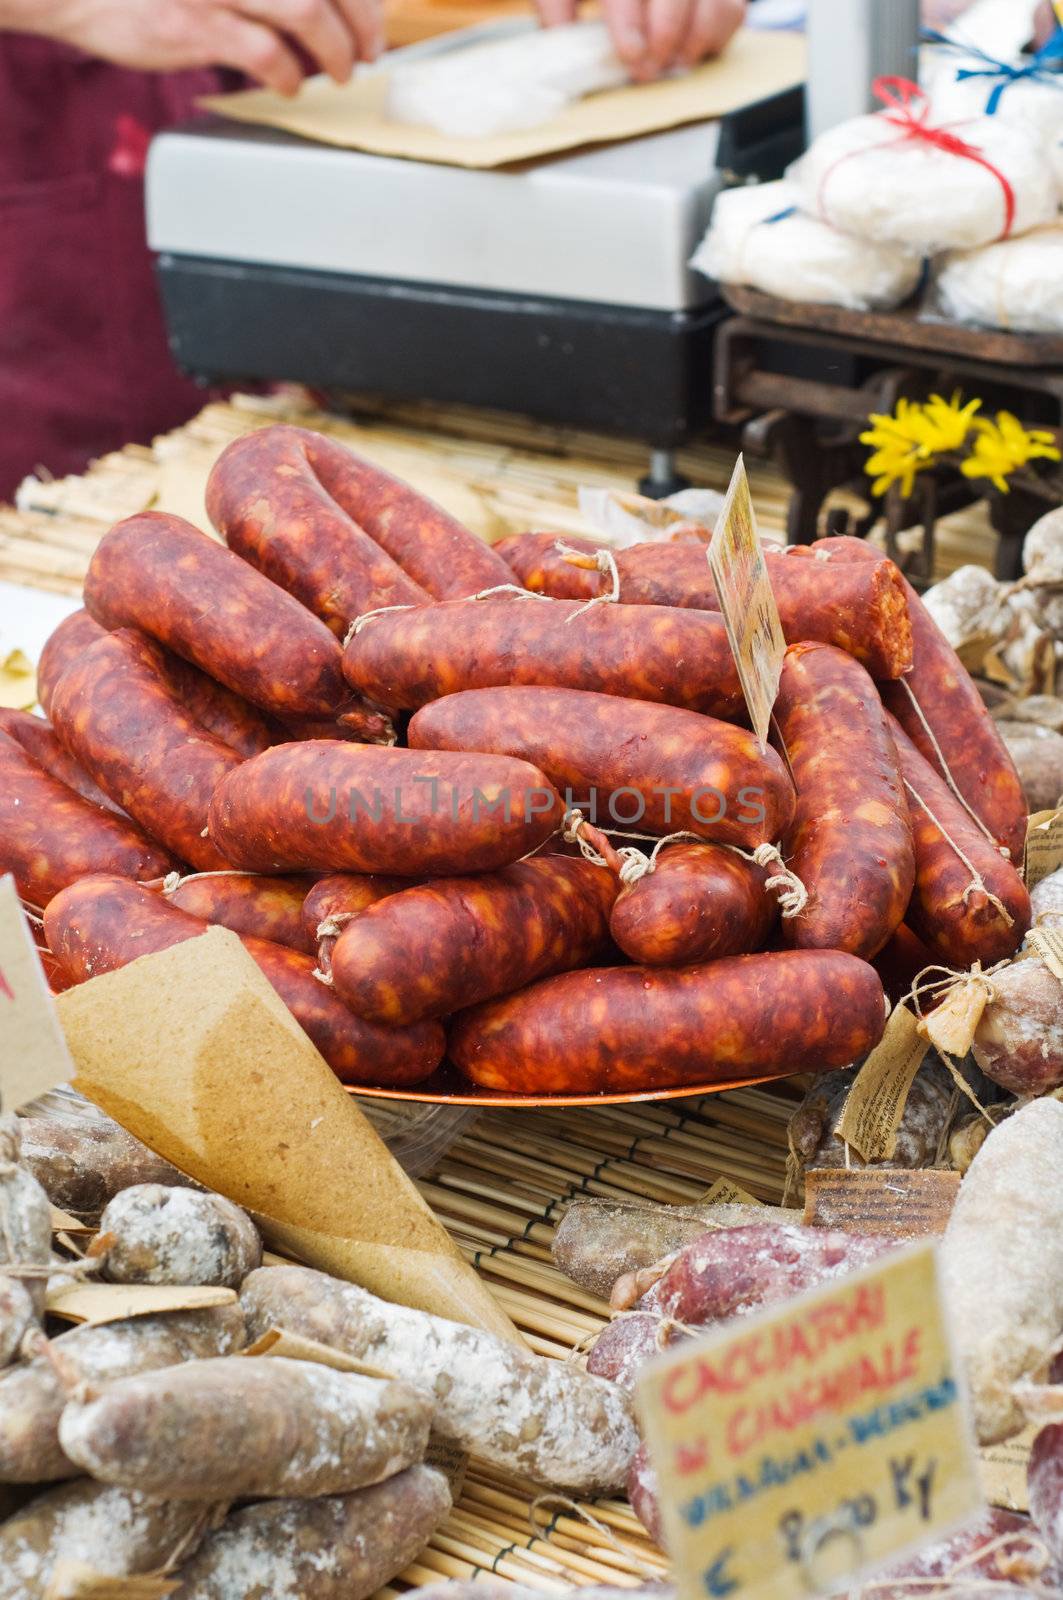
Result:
<point x="799" y="1449"/>
<point x="875" y="1104"/>
<point x="33" y="1053"/>
<point x="747" y="601"/>
<point x="885" y="1200"/>
<point x="1044" y="846"/>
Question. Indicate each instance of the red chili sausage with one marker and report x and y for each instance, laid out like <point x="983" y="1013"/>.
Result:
<point x="427" y="543"/>
<point x="327" y="807"/>
<point x="268" y="503"/>
<point x="442" y="946"/>
<point x="65" y="644"/>
<point x="851" y="840"/>
<point x="403" y="659"/>
<point x="159" y="574"/>
<point x="117" y="716"/>
<point x="623" y="762"/>
<point x="39" y="741"/>
<point x="248" y="903"/>
<point x="900" y="961"/>
<point x="700" y="902"/>
<point x="102" y="923"/>
<point x="50" y="836"/>
<point x="860" y="608"/>
<point x="613" y="1029"/>
<point x="940" y="692"/>
<point x="223" y="713"/>
<point x="951" y="910"/>
<point x="362" y="725"/>
<point x="334" y="900"/>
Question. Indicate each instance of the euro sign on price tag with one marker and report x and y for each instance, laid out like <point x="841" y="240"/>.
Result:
<point x="747" y="601"/>
<point x="800" y="1449"/>
<point x="33" y="1052"/>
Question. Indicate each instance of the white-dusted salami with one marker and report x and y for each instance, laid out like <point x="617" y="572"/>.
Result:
<point x="219" y="1429"/>
<point x="545" y="1419"/>
<point x="25" y="1218"/>
<point x="1019" y="1039"/>
<point x="1002" y="1259"/>
<point x="81" y="1164"/>
<point x="156" y="1234"/>
<point x="1046" y="899"/>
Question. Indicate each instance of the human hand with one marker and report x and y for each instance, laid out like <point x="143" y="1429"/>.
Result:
<point x="650" y="36"/>
<point x="261" y="38"/>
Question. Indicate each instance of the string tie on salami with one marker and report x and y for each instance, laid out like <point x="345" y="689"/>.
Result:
<point x="601" y="561"/>
<point x="367" y="616"/>
<point x="943" y="767"/>
<point x="176" y="880"/>
<point x="908" y="109"/>
<point x="977" y="884"/>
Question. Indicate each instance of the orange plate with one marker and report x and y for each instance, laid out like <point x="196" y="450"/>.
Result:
<point x="448" y="1088"/>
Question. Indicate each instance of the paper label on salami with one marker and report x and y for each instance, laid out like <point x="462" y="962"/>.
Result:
<point x="1048" y="942"/>
<point x="747" y="601"/>
<point x="1044" y="846"/>
<point x="875" y="1105"/>
<point x="799" y="1449"/>
<point x="1004" y="1467"/>
<point x="33" y="1052"/>
<point x="725" y="1192"/>
<point x="952" y="1025"/>
<point x="897" y="1203"/>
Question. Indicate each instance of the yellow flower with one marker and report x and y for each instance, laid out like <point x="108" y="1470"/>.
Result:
<point x="909" y="441"/>
<point x="948" y="422"/>
<point x="1003" y="446"/>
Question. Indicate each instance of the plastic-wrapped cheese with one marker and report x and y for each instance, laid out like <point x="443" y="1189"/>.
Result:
<point x="508" y="85"/>
<point x="1015" y="284"/>
<point x="874" y="177"/>
<point x="758" y="238"/>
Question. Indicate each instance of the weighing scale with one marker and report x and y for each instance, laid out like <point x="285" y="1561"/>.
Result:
<point x="558" y="290"/>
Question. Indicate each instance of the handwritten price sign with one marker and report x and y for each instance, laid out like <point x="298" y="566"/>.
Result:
<point x="33" y="1052"/>
<point x="747" y="601"/>
<point x="804" y="1447"/>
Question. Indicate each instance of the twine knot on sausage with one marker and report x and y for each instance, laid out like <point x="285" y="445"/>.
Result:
<point x="601" y="561"/>
<point x="977" y="883"/>
<point x="367" y="616"/>
<point x="595" y="847"/>
<point x="793" y="896"/>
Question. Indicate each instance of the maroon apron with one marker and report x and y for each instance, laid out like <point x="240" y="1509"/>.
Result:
<point x="84" y="363"/>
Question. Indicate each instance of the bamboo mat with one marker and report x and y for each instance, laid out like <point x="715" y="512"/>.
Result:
<point x="497" y="474"/>
<point x="501" y="1191"/>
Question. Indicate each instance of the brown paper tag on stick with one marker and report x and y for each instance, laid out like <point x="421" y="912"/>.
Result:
<point x="1044" y="846"/>
<point x="194" y="1052"/>
<point x="725" y="1192"/>
<point x="884" y="1200"/>
<point x="875" y="1105"/>
<point x="747" y="601"/>
<point x="33" y="1054"/>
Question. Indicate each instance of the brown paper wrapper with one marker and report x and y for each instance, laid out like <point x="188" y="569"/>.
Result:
<point x="756" y="64"/>
<point x="194" y="1052"/>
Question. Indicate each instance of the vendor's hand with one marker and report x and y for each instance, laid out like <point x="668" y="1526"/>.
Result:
<point x="257" y="37"/>
<point x="650" y="36"/>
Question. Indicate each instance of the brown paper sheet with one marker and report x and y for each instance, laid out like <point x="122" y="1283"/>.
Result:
<point x="96" y="1303"/>
<point x="193" y="1051"/>
<point x="755" y="65"/>
<point x="896" y="1203"/>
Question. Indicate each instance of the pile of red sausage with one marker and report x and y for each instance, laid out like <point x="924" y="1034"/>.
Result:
<point x="224" y="746"/>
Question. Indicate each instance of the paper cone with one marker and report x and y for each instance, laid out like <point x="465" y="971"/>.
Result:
<point x="194" y="1052"/>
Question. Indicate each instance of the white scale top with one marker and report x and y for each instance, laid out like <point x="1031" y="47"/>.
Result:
<point x="615" y="224"/>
